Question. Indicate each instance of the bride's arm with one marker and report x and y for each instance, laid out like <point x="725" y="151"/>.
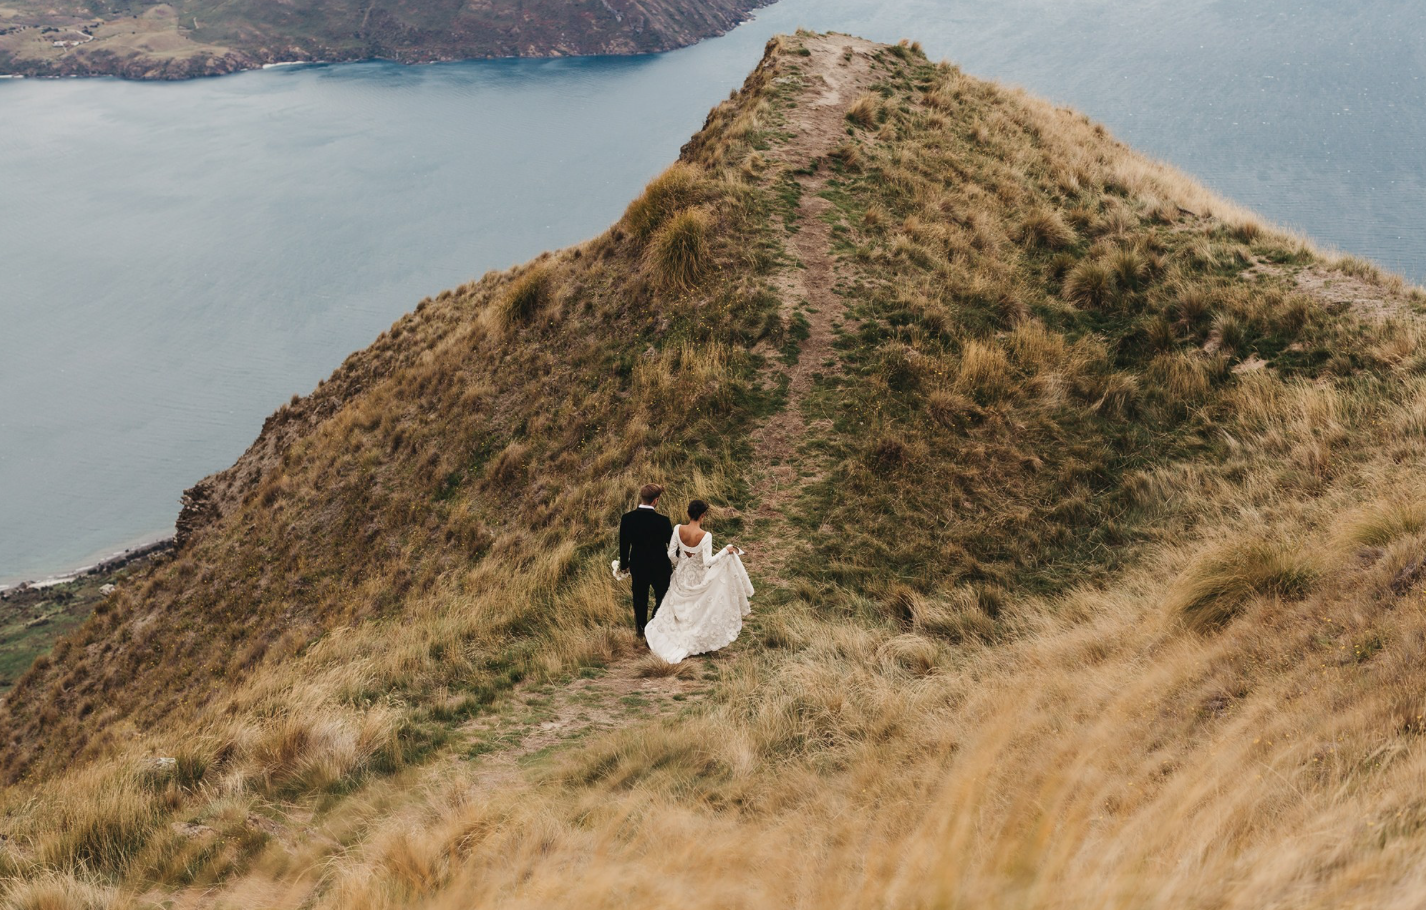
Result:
<point x="705" y="549"/>
<point x="673" y="548"/>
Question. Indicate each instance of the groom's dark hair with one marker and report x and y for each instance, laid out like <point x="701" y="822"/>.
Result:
<point x="697" y="509"/>
<point x="649" y="493"/>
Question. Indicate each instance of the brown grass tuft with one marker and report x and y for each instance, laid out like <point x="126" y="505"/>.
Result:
<point x="679" y="253"/>
<point x="1044" y="228"/>
<point x="1386" y="522"/>
<point x="527" y="296"/>
<point x="667" y="194"/>
<point x="1089" y="284"/>
<point x="62" y="892"/>
<point x="1213" y="590"/>
<point x="865" y="112"/>
<point x="651" y="666"/>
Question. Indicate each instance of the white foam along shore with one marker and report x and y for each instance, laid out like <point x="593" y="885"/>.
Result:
<point x="109" y="563"/>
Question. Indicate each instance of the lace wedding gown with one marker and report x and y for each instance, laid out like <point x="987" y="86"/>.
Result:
<point x="705" y="604"/>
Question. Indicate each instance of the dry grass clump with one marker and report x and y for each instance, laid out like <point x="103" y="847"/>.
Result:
<point x="107" y="829"/>
<point x="848" y="155"/>
<point x="1046" y="228"/>
<point x="61" y="892"/>
<point x="959" y="615"/>
<point x="527" y="296"/>
<point x="984" y="373"/>
<point x="673" y="191"/>
<point x="301" y="753"/>
<point x="679" y="252"/>
<point x="1212" y="591"/>
<point x="1089" y="284"/>
<point x="651" y="666"/>
<point x="865" y="112"/>
<point x="1386" y="522"/>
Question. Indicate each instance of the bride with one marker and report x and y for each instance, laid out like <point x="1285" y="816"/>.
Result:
<point x="707" y="597"/>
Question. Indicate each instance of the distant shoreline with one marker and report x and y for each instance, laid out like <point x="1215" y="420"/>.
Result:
<point x="109" y="564"/>
<point x="105" y="55"/>
<point x="229" y="66"/>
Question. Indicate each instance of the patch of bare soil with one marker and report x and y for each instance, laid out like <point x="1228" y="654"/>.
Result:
<point x="1369" y="301"/>
<point x="1365" y="300"/>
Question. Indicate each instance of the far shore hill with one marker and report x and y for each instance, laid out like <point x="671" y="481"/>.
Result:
<point x="135" y="39"/>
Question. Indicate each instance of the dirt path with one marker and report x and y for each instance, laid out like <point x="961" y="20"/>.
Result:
<point x="539" y="718"/>
<point x="838" y="72"/>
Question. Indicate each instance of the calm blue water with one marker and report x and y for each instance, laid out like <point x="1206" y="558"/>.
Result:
<point x="176" y="260"/>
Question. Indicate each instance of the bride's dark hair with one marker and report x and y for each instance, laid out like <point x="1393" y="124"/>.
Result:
<point x="697" y="509"/>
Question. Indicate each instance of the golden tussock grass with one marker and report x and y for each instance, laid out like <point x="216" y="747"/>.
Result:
<point x="1214" y="589"/>
<point x="865" y="111"/>
<point x="527" y="295"/>
<point x="676" y="189"/>
<point x="59" y="892"/>
<point x="679" y="251"/>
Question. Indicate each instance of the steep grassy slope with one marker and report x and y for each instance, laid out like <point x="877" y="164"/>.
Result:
<point x="1085" y="514"/>
<point x="152" y="40"/>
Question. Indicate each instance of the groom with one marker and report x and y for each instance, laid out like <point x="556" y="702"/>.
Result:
<point x="643" y="552"/>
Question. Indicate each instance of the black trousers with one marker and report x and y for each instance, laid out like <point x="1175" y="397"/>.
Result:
<point x="642" y="583"/>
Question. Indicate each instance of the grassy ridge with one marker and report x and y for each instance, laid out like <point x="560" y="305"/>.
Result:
<point x="1102" y="584"/>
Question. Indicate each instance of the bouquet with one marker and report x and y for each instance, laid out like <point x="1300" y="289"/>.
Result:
<point x="618" y="576"/>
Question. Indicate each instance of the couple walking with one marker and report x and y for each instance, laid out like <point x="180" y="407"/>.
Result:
<point x="700" y="597"/>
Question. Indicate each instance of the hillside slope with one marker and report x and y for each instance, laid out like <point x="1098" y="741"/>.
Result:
<point x="1085" y="513"/>
<point x="186" y="38"/>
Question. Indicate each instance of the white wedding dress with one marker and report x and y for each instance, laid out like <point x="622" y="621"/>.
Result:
<point x="706" y="601"/>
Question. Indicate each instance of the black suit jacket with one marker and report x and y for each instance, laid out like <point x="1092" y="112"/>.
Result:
<point x="643" y="542"/>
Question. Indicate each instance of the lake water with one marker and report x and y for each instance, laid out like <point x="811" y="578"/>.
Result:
<point x="176" y="260"/>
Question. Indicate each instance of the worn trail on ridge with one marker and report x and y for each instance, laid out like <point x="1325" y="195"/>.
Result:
<point x="836" y="74"/>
